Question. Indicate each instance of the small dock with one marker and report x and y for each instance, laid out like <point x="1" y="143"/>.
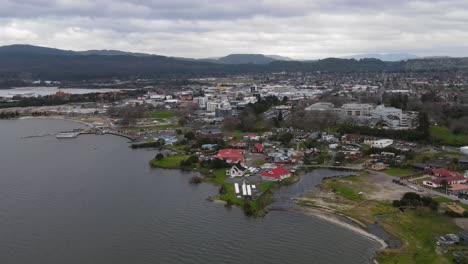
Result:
<point x="74" y="134"/>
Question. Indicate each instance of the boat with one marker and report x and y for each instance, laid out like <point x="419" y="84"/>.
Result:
<point x="67" y="135"/>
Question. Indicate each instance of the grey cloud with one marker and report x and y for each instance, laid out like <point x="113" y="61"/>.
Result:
<point x="205" y="28"/>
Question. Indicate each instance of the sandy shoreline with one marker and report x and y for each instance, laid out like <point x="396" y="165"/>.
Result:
<point x="333" y="218"/>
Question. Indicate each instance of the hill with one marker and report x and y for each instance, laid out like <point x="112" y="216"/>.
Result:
<point x="384" y="57"/>
<point x="26" y="62"/>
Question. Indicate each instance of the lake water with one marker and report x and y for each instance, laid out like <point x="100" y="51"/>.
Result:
<point x="42" y="91"/>
<point x="94" y="200"/>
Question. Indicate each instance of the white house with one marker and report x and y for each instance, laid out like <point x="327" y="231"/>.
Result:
<point x="236" y="171"/>
<point x="381" y="143"/>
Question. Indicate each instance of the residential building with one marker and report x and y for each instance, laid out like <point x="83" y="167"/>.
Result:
<point x="276" y="174"/>
<point x="230" y="155"/>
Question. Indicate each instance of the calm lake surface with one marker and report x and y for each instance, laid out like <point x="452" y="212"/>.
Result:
<point x="94" y="200"/>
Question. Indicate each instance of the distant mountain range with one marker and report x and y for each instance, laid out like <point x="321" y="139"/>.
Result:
<point x="26" y="62"/>
<point x="247" y="59"/>
<point x="384" y="57"/>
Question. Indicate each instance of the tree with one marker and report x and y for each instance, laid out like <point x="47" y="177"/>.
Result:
<point x="280" y="115"/>
<point x="286" y="138"/>
<point x="189" y="135"/>
<point x="182" y="121"/>
<point x="423" y="123"/>
<point x="444" y="184"/>
<point x="159" y="156"/>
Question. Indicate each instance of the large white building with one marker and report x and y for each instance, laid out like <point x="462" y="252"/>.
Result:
<point x="201" y="101"/>
<point x="390" y="116"/>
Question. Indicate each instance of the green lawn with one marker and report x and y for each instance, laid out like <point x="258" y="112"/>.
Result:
<point x="418" y="229"/>
<point x="231" y="195"/>
<point x="421" y="180"/>
<point x="260" y="162"/>
<point x="219" y="177"/>
<point x="445" y="137"/>
<point x="346" y="191"/>
<point x="155" y="127"/>
<point x="171" y="162"/>
<point x="265" y="186"/>
<point x="399" y="172"/>
<point x="162" y="114"/>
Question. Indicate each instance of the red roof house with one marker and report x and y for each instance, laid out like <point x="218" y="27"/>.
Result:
<point x="276" y="174"/>
<point x="258" y="148"/>
<point x="445" y="173"/>
<point x="436" y="183"/>
<point x="230" y="155"/>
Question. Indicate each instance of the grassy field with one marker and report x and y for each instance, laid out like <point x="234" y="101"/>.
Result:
<point x="418" y="229"/>
<point x="155" y="127"/>
<point x="219" y="177"/>
<point x="399" y="172"/>
<point x="171" y="162"/>
<point x="162" y="114"/>
<point x="345" y="191"/>
<point x="231" y="195"/>
<point x="445" y="137"/>
<point x="260" y="162"/>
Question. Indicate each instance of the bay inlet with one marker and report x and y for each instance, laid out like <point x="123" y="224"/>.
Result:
<point x="92" y="199"/>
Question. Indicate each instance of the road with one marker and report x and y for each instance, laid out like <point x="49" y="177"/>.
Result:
<point x="422" y="190"/>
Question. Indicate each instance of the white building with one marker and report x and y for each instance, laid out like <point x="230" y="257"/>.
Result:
<point x="357" y="110"/>
<point x="321" y="106"/>
<point x="464" y="150"/>
<point x="201" y="101"/>
<point x="380" y="143"/>
<point x="211" y="106"/>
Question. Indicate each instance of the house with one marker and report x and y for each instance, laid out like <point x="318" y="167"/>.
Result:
<point x="239" y="144"/>
<point x="236" y="171"/>
<point x="351" y="139"/>
<point x="381" y="143"/>
<point x="457" y="189"/>
<point x="209" y="147"/>
<point x="258" y="148"/>
<point x="252" y="137"/>
<point x="436" y="183"/>
<point x="379" y="166"/>
<point x="276" y="174"/>
<point x="444" y="173"/>
<point x="230" y="155"/>
<point x="424" y="166"/>
<point x="210" y="133"/>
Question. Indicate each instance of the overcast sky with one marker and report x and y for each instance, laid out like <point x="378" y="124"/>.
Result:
<point x="301" y="29"/>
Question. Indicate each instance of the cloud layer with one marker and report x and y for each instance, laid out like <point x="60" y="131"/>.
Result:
<point x="302" y="29"/>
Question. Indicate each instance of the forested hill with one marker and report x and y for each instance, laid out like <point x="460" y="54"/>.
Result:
<point x="31" y="62"/>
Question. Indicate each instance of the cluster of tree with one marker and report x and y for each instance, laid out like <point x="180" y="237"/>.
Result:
<point x="410" y="135"/>
<point x="196" y="180"/>
<point x="188" y="163"/>
<point x="150" y="144"/>
<point x="311" y="120"/>
<point x="251" y="118"/>
<point x="39" y="113"/>
<point x="8" y="115"/>
<point x="215" y="164"/>
<point x="127" y="114"/>
<point x="414" y="200"/>
<point x="48" y="100"/>
<point x="397" y="100"/>
<point x="265" y="103"/>
<point x="284" y="138"/>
